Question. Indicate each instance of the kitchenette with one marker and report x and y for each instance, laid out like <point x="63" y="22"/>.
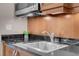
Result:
<point x="41" y="47"/>
<point x="41" y="29"/>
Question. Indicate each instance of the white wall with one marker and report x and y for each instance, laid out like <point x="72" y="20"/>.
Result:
<point x="9" y="24"/>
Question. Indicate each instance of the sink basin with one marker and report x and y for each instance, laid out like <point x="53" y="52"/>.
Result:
<point x="43" y="47"/>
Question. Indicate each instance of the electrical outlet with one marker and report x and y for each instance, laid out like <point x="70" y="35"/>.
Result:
<point x="9" y="27"/>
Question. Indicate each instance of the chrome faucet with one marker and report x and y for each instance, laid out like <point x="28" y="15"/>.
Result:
<point x="51" y="35"/>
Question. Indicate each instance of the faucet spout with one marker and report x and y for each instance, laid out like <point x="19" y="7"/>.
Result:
<point x="51" y="35"/>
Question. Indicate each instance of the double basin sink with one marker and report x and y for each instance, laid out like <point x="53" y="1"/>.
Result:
<point x="41" y="47"/>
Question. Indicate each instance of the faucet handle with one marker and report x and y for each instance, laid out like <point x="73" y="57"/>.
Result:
<point x="52" y="34"/>
<point x="44" y="31"/>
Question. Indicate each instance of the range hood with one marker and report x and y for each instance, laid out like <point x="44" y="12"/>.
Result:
<point x="27" y="9"/>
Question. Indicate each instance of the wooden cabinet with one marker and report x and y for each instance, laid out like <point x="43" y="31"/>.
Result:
<point x="59" y="8"/>
<point x="9" y="51"/>
<point x="75" y="8"/>
<point x="22" y="52"/>
<point x="74" y="5"/>
<point x="6" y="50"/>
<point x="55" y="8"/>
<point x="47" y="6"/>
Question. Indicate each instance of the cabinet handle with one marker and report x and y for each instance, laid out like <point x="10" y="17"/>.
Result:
<point x="14" y="53"/>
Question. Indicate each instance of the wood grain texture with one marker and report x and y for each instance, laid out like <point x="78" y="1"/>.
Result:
<point x="63" y="26"/>
<point x="45" y="6"/>
<point x="76" y="25"/>
<point x="56" y="8"/>
<point x="6" y="50"/>
<point x="75" y="10"/>
<point x="36" y="26"/>
<point x="54" y="11"/>
<point x="75" y="5"/>
<point x="22" y="52"/>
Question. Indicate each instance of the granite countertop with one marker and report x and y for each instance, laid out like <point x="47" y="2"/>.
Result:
<point x="71" y="50"/>
<point x="68" y="51"/>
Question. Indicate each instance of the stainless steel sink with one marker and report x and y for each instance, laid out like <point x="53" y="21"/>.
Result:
<point x="43" y="47"/>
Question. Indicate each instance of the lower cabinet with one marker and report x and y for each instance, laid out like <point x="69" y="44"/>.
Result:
<point x="7" y="51"/>
<point x="21" y="52"/>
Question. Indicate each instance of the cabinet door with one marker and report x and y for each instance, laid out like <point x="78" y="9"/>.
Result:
<point x="75" y="10"/>
<point x="6" y="50"/>
<point x="54" y="11"/>
<point x="75" y="5"/>
<point x="56" y="8"/>
<point x="45" y="6"/>
<point x="21" y="52"/>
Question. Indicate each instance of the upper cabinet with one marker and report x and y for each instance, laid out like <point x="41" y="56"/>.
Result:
<point x="55" y="8"/>
<point x="59" y="8"/>
<point x="36" y="9"/>
<point x="27" y="9"/>
<point x="46" y="6"/>
<point x="75" y="7"/>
